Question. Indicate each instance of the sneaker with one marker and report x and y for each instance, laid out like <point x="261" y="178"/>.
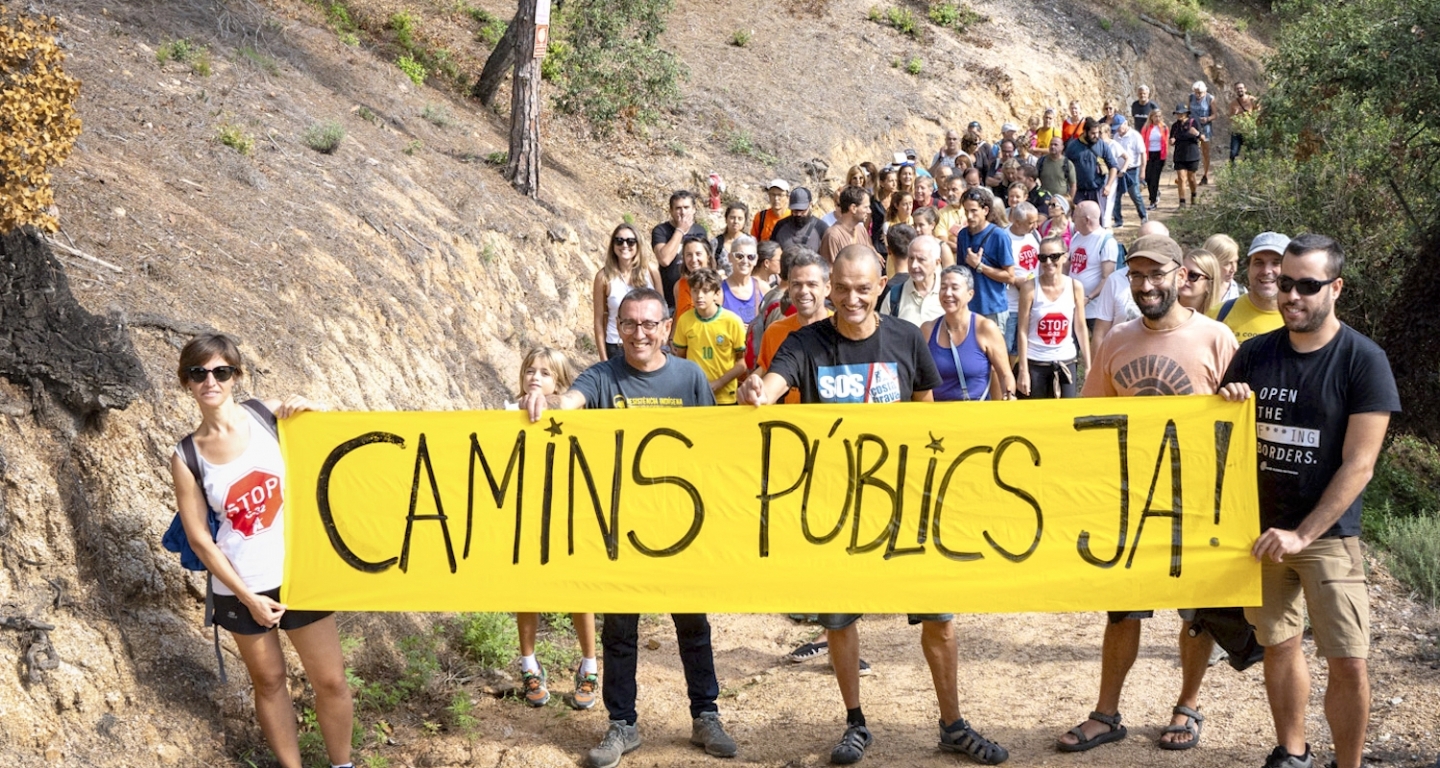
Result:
<point x="808" y="651"/>
<point x="852" y="746"/>
<point x="1154" y="206"/>
<point x="1217" y="655"/>
<point x="960" y="737"/>
<point x="533" y="684"/>
<point x="619" y="740"/>
<point x="1204" y="181"/>
<point x="707" y="732"/>
<point x="587" y="689"/>
<point x="865" y="670"/>
<point x="1279" y="758"/>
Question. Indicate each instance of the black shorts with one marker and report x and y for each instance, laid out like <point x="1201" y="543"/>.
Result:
<point x="232" y="614"/>
<point x="1187" y="165"/>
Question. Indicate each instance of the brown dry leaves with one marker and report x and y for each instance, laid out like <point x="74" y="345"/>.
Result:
<point x="38" y="125"/>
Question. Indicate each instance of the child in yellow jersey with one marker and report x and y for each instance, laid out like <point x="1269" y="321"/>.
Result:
<point x="711" y="336"/>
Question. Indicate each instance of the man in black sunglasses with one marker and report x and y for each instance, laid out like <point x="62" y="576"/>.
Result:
<point x="1324" y="395"/>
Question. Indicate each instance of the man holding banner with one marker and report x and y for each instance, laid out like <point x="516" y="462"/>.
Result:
<point x="1168" y="350"/>
<point x="1324" y="395"/>
<point x="645" y="377"/>
<point x="861" y="356"/>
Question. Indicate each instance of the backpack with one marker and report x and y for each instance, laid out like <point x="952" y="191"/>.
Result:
<point x="1066" y="168"/>
<point x="893" y="289"/>
<point x="1230" y="630"/>
<point x="1225" y="310"/>
<point x="175" y="539"/>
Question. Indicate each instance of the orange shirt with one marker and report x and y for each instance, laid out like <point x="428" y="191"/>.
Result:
<point x="1069" y="130"/>
<point x="683" y="302"/>
<point x="764" y="223"/>
<point x="774" y="336"/>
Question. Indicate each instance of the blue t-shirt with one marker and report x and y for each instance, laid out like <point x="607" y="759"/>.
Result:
<point x="1086" y="158"/>
<point x="995" y="251"/>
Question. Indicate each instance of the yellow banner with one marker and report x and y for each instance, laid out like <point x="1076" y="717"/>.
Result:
<point x="1058" y="505"/>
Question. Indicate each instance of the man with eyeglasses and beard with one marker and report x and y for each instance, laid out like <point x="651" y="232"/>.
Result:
<point x="1169" y="350"/>
<point x="645" y="377"/>
<point x="1324" y="395"/>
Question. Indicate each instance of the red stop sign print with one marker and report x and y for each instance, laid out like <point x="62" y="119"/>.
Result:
<point x="1054" y="327"/>
<point x="253" y="503"/>
<point x="1029" y="257"/>
<point x="1078" y="260"/>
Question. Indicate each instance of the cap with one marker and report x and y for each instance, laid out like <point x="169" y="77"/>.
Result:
<point x="1181" y="109"/>
<point x="910" y="153"/>
<point x="800" y="199"/>
<point x="974" y="124"/>
<point x="781" y="183"/>
<point x="1119" y="120"/>
<point x="1157" y="248"/>
<point x="1268" y="241"/>
<point x="1009" y="127"/>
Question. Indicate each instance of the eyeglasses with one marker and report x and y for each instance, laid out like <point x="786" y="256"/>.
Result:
<point x="1308" y="286"/>
<point x="222" y="373"/>
<point x="1052" y="256"/>
<point x="628" y="242"/>
<point x="1196" y="277"/>
<point x="630" y="326"/>
<point x="1155" y="278"/>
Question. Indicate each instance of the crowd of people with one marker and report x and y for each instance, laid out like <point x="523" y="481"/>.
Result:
<point x="925" y="285"/>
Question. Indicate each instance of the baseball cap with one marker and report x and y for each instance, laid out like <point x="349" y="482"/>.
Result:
<point x="800" y="199"/>
<point x="974" y="124"/>
<point x="1268" y="241"/>
<point x="781" y="183"/>
<point x="1181" y="109"/>
<point x="910" y="153"/>
<point x="1157" y="248"/>
<point x="1009" y="127"/>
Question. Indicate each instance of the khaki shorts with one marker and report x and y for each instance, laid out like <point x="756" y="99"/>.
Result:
<point x="1331" y="574"/>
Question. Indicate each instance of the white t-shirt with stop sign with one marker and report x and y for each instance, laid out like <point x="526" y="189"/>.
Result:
<point x="247" y="495"/>
<point x="1087" y="252"/>
<point x="1027" y="265"/>
<point x="1050" y="337"/>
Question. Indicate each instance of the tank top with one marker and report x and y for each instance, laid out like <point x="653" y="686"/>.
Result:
<point x="1050" y="335"/>
<point x="247" y="494"/>
<point x="614" y="294"/>
<point x="1199" y="109"/>
<point x="970" y="358"/>
<point x="745" y="308"/>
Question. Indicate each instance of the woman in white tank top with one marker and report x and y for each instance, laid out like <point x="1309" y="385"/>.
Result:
<point x="1052" y="320"/>
<point x="243" y="483"/>
<point x="626" y="266"/>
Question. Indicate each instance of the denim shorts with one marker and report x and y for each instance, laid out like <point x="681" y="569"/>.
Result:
<point x="834" y="621"/>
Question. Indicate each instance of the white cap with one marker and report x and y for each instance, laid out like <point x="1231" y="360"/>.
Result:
<point x="781" y="183"/>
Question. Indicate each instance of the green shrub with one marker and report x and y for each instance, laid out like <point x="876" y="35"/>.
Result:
<point x="412" y="69"/>
<point x="741" y="38"/>
<point x="235" y="137"/>
<point x="489" y="639"/>
<point x="260" y="61"/>
<point x="324" y="137"/>
<point x="875" y="14"/>
<point x="959" y="17"/>
<point x="491" y="31"/>
<point x="176" y="50"/>
<point x="499" y="157"/>
<point x="914" y="65"/>
<point x="404" y="25"/>
<point x="437" y="116"/>
<point x="611" y="66"/>
<point x="414" y="146"/>
<point x="903" y="21"/>
<point x="1412" y="551"/>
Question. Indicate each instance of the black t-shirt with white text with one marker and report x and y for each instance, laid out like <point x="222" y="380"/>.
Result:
<point x="1303" y="403"/>
<point x="888" y="366"/>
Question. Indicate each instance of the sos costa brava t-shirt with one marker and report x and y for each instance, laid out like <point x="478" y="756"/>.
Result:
<point x="888" y="366"/>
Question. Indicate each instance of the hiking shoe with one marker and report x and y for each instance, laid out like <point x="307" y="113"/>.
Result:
<point x="1279" y="758"/>
<point x="865" y="670"/>
<point x="619" y="740"/>
<point x="852" y="746"/>
<point x="708" y="733"/>
<point x="533" y="684"/>
<point x="808" y="651"/>
<point x="587" y="689"/>
<point x="1154" y="206"/>
<point x="960" y="737"/>
<point x="1204" y="181"/>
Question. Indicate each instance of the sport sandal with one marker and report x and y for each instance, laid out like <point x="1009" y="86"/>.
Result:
<point x="1193" y="722"/>
<point x="1116" y="733"/>
<point x="960" y="737"/>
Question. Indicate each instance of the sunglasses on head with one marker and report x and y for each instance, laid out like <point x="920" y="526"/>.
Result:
<point x="222" y="373"/>
<point x="1308" y="286"/>
<point x="629" y="241"/>
<point x="1052" y="256"/>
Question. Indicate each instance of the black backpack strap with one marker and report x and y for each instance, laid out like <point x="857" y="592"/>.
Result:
<point x="895" y="292"/>
<point x="1225" y="310"/>
<point x="257" y="407"/>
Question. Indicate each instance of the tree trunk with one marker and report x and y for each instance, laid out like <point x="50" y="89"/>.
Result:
<point x="496" y="67"/>
<point x="524" y="167"/>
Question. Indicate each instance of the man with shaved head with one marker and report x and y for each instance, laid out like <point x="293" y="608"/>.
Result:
<point x="1093" y="250"/>
<point x="859" y="355"/>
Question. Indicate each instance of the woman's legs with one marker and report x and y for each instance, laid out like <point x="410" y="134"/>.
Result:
<point x="528" y="625"/>
<point x="584" y="633"/>
<point x="266" y="664"/>
<point x="1153" y="169"/>
<point x="1205" y="159"/>
<point x="1185" y="180"/>
<point x="318" y="645"/>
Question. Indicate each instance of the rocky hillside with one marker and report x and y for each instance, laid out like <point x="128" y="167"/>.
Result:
<point x="398" y="272"/>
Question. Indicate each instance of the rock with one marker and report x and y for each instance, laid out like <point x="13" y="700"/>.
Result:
<point x="1397" y="701"/>
<point x="652" y="644"/>
<point x="169" y="754"/>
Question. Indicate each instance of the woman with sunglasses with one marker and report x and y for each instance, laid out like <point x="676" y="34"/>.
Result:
<point x="1052" y="315"/>
<point x="1059" y="223"/>
<point x="741" y="291"/>
<point x="236" y="455"/>
<point x="1200" y="291"/>
<point x="626" y="267"/>
<point x="966" y="347"/>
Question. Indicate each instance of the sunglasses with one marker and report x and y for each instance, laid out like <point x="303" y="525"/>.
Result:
<point x="745" y="256"/>
<point x="1052" y="256"/>
<point x="222" y="373"/>
<point x="626" y="241"/>
<point x="1308" y="286"/>
<point x="1196" y="277"/>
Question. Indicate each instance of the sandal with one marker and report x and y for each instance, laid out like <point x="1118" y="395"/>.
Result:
<point x="1082" y="744"/>
<point x="1193" y="722"/>
<point x="960" y="737"/>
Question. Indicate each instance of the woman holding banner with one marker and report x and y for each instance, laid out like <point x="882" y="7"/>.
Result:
<point x="229" y="476"/>
<point x="966" y="346"/>
<point x="1052" y="316"/>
